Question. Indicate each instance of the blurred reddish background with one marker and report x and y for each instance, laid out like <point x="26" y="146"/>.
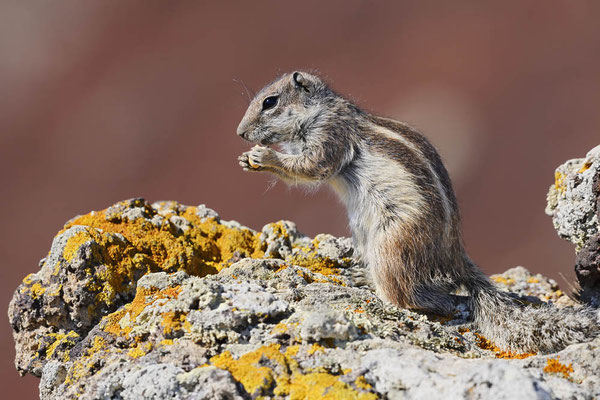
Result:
<point x="103" y="101"/>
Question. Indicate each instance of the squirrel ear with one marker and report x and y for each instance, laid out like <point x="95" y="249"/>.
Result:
<point x="301" y="81"/>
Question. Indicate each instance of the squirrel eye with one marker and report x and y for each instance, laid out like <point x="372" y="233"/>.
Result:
<point x="270" y="102"/>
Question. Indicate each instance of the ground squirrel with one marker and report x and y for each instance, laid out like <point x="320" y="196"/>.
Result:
<point x="401" y="207"/>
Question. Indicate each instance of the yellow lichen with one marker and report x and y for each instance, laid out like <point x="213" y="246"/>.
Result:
<point x="279" y="229"/>
<point x="83" y="367"/>
<point x="316" y="347"/>
<point x="553" y="365"/>
<point x="73" y="244"/>
<point x="253" y="377"/>
<point x="253" y="371"/>
<point x="56" y="291"/>
<point x="323" y="266"/>
<point x="28" y="280"/>
<point x="559" y="182"/>
<point x="60" y="338"/>
<point x="279" y="329"/>
<point x="97" y="344"/>
<point x="292" y="350"/>
<point x="319" y="385"/>
<point x="533" y="279"/>
<point x="141" y="349"/>
<point x="166" y="342"/>
<point x="308" y="258"/>
<point x="37" y="290"/>
<point x="362" y="383"/>
<point x="32" y="287"/>
<point x="502" y="280"/>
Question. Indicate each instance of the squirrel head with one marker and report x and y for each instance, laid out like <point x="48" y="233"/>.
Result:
<point x="282" y="110"/>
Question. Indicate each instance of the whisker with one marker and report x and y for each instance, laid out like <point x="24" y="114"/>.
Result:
<point x="249" y="93"/>
<point x="271" y="185"/>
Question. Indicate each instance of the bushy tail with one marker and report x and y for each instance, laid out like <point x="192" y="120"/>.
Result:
<point x="514" y="327"/>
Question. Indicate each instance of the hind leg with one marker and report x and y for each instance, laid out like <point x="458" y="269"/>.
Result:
<point x="436" y="299"/>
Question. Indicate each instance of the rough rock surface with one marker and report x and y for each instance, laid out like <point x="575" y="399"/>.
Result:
<point x="165" y="301"/>
<point x="574" y="204"/>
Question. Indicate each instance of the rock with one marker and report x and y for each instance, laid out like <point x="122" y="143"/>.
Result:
<point x="144" y="301"/>
<point x="574" y="205"/>
<point x="587" y="269"/>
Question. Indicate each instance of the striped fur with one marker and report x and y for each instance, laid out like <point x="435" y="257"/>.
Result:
<point x="401" y="208"/>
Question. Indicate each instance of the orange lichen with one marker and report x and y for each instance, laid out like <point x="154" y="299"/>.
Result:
<point x="442" y="319"/>
<point x="115" y="323"/>
<point x="308" y="277"/>
<point x="584" y="167"/>
<point x="512" y="355"/>
<point x="281" y="268"/>
<point x="553" y="365"/>
<point x="254" y="371"/>
<point x="174" y="321"/>
<point x="204" y="247"/>
<point x="486" y="344"/>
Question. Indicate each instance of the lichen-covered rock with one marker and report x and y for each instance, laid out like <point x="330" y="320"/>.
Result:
<point x="574" y="204"/>
<point x="96" y="260"/>
<point x="160" y="301"/>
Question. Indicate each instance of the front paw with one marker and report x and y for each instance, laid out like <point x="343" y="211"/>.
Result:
<point x="257" y="159"/>
<point x="244" y="161"/>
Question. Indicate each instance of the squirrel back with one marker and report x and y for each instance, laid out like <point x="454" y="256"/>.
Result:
<point x="401" y="207"/>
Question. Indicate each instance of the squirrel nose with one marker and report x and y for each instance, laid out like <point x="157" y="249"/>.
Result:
<point x="241" y="131"/>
